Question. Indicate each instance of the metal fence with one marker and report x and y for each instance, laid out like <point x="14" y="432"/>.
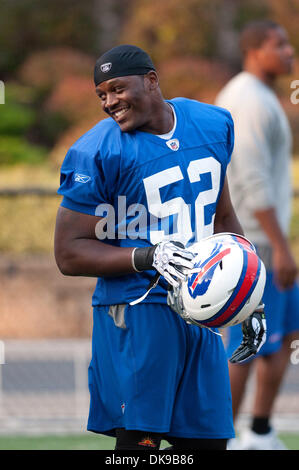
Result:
<point x="44" y="386"/>
<point x="44" y="389"/>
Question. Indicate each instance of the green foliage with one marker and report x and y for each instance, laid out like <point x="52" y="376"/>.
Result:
<point x="15" y="119"/>
<point x="17" y="93"/>
<point x="50" y="57"/>
<point x="50" y="126"/>
<point x="28" y="26"/>
<point x="15" y="149"/>
<point x="17" y="114"/>
<point x="18" y="119"/>
<point x="179" y="28"/>
<point x="250" y="11"/>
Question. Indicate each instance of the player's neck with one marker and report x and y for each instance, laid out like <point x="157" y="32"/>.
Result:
<point x="162" y="120"/>
<point x="267" y="78"/>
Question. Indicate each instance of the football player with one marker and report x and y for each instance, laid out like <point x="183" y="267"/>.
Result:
<point x="137" y="188"/>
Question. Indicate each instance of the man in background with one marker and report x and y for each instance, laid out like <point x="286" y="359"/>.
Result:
<point x="259" y="178"/>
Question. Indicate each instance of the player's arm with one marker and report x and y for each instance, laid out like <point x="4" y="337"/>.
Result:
<point x="284" y="264"/>
<point x="79" y="252"/>
<point x="226" y="219"/>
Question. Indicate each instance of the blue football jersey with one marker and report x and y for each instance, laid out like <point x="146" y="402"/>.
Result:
<point x="149" y="189"/>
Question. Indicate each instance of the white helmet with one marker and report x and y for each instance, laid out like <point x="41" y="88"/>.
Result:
<point x="227" y="282"/>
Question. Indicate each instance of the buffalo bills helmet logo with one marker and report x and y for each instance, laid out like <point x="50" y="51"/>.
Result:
<point x="199" y="282"/>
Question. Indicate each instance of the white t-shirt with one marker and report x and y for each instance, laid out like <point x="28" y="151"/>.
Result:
<point x="169" y="134"/>
<point x="259" y="172"/>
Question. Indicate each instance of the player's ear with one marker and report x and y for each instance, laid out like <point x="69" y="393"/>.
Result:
<point x="151" y="80"/>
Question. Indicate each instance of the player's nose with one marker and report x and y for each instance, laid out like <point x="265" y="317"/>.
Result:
<point x="111" y="101"/>
<point x="290" y="51"/>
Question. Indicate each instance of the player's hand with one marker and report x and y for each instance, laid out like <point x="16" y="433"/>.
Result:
<point x="254" y="336"/>
<point x="175" y="302"/>
<point x="284" y="267"/>
<point x="173" y="261"/>
<point x="169" y="258"/>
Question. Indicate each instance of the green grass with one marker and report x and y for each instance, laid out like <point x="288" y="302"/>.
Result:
<point x="89" y="441"/>
<point x="56" y="442"/>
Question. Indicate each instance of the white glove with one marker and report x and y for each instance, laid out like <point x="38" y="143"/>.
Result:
<point x="173" y="261"/>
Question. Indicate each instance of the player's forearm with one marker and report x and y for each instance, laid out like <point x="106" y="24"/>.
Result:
<point x="226" y="219"/>
<point x="268" y="221"/>
<point x="228" y="223"/>
<point x="92" y="258"/>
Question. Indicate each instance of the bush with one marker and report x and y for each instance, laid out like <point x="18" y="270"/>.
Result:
<point x="15" y="149"/>
<point x="193" y="77"/>
<point x="16" y="119"/>
<point x="47" y="68"/>
<point x="74" y="98"/>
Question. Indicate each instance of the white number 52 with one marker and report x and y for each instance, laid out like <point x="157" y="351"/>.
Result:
<point x="177" y="206"/>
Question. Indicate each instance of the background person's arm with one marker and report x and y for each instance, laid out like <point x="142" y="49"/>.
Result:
<point x="284" y="264"/>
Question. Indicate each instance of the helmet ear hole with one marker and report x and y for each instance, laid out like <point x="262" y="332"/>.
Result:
<point x="228" y="295"/>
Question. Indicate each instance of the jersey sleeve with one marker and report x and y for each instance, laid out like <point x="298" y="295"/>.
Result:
<point x="230" y="137"/>
<point x="82" y="182"/>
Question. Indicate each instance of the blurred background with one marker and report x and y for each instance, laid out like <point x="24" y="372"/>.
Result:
<point x="47" y="53"/>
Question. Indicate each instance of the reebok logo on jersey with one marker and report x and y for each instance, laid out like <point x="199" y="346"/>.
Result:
<point x="106" y="67"/>
<point x="82" y="178"/>
<point x="173" y="144"/>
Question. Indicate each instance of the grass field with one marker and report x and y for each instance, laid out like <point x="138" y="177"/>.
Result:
<point x="89" y="442"/>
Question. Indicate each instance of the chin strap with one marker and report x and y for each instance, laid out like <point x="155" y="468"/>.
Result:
<point x="153" y="283"/>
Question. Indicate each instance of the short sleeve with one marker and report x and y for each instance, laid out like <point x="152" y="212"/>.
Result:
<point x="230" y="137"/>
<point x="82" y="182"/>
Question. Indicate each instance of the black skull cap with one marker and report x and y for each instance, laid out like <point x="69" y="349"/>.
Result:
<point x="122" y="61"/>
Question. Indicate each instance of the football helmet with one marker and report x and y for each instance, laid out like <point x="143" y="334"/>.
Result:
<point x="226" y="283"/>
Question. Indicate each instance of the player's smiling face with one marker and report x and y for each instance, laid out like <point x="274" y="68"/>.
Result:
<point x="128" y="101"/>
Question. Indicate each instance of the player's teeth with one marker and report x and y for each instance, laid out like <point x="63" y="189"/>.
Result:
<point x="120" y="113"/>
